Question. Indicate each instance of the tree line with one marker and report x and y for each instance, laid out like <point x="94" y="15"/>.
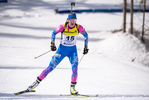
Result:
<point x="131" y="17"/>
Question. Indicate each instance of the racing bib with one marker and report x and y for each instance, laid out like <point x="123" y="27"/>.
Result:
<point x="69" y="40"/>
<point x="69" y="37"/>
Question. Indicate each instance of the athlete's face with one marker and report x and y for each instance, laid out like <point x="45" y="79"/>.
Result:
<point x="72" y="22"/>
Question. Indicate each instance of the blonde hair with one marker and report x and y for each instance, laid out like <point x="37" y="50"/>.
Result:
<point x="72" y="13"/>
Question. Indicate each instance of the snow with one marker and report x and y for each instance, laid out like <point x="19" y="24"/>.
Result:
<point x="115" y="67"/>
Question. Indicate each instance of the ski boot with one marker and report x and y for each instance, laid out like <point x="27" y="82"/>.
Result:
<point x="34" y="85"/>
<point x="72" y="88"/>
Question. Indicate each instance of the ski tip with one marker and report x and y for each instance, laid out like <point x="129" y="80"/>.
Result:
<point x="35" y="57"/>
<point x="22" y="92"/>
<point x="16" y="93"/>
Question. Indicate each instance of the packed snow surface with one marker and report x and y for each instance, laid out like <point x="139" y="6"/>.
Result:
<point x="115" y="67"/>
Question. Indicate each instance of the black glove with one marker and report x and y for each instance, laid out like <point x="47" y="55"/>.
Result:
<point x="85" y="50"/>
<point x="53" y="47"/>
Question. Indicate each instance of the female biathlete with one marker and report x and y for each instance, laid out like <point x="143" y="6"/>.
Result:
<point x="67" y="48"/>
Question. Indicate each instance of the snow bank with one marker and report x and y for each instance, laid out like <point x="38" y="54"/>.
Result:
<point x="124" y="45"/>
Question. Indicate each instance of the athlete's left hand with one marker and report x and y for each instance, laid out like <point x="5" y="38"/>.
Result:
<point x="85" y="50"/>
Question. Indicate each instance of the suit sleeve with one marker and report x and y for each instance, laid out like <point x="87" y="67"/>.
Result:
<point x="59" y="29"/>
<point x="84" y="33"/>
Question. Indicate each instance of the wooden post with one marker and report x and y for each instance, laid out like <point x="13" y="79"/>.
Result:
<point x="124" y="15"/>
<point x="131" y="19"/>
<point x="142" y="37"/>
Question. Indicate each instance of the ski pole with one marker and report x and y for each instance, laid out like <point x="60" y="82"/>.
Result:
<point x="81" y="59"/>
<point x="42" y="54"/>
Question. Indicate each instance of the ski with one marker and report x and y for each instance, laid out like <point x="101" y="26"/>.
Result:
<point x="24" y="91"/>
<point x="79" y="95"/>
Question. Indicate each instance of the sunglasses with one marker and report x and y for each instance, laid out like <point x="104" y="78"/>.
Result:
<point x="73" y="20"/>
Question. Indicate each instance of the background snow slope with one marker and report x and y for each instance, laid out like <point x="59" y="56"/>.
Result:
<point x="107" y="70"/>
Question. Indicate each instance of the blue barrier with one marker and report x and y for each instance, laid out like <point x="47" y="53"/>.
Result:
<point x="3" y="1"/>
<point x="98" y="10"/>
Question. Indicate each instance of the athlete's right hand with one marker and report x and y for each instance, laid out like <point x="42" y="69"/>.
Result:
<point x="53" y="47"/>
